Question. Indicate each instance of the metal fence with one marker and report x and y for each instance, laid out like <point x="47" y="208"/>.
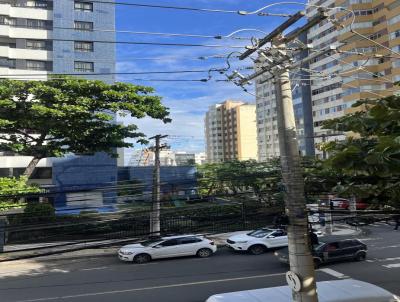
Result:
<point x="205" y="219"/>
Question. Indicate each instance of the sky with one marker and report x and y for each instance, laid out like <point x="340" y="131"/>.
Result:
<point x="188" y="101"/>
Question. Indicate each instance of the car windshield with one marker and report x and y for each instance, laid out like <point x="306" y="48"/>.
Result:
<point x="260" y="233"/>
<point x="150" y="242"/>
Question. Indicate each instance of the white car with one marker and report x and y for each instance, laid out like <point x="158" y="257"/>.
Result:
<point x="166" y="247"/>
<point x="258" y="241"/>
<point x="348" y="290"/>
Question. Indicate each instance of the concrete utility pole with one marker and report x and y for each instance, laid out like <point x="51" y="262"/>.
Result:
<point x="155" y="226"/>
<point x="300" y="257"/>
<point x="301" y="277"/>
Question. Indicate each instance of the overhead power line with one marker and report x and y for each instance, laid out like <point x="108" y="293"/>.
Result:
<point x="183" y="8"/>
<point x="219" y="37"/>
<point x="105" y="73"/>
<point x="150" y="43"/>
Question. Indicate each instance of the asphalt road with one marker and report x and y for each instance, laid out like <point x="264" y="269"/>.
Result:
<point x="184" y="280"/>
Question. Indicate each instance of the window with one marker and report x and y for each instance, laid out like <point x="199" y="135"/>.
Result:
<point x="84" y="66"/>
<point x="83" y="46"/>
<point x="35" y="23"/>
<point x="82" y="25"/>
<point x="171" y="242"/>
<point x="42" y="173"/>
<point x="189" y="240"/>
<point x="83" y="6"/>
<point x="36" y="44"/>
<point x="36" y="65"/>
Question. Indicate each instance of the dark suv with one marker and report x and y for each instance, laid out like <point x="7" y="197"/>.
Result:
<point x="332" y="251"/>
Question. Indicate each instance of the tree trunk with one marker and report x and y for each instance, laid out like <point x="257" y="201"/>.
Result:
<point x="31" y="167"/>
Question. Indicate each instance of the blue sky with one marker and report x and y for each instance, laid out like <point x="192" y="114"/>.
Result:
<point x="188" y="101"/>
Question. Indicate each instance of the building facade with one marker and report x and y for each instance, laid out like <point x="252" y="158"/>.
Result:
<point x="231" y="132"/>
<point x="362" y="68"/>
<point x="39" y="38"/>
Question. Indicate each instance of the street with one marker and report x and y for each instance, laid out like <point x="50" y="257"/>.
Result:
<point x="184" y="280"/>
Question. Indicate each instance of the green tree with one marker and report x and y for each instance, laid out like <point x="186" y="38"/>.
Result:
<point x="370" y="157"/>
<point x="71" y="115"/>
<point x="11" y="190"/>
<point x="262" y="178"/>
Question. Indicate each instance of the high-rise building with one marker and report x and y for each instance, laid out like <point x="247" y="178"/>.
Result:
<point x="363" y="68"/>
<point x="230" y="132"/>
<point x="267" y="124"/>
<point x="42" y="37"/>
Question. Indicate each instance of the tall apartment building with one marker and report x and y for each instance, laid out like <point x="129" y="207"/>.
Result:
<point x="41" y="37"/>
<point x="267" y="127"/>
<point x="230" y="132"/>
<point x="354" y="73"/>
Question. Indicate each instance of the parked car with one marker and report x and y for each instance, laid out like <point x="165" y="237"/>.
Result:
<point x="167" y="247"/>
<point x="348" y="290"/>
<point x="325" y="252"/>
<point x="345" y="205"/>
<point x="258" y="241"/>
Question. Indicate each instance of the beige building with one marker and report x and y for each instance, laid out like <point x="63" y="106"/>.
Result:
<point x="362" y="68"/>
<point x="231" y="132"/>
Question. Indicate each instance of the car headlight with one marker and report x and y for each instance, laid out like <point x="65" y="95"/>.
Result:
<point x="276" y="254"/>
<point x="241" y="241"/>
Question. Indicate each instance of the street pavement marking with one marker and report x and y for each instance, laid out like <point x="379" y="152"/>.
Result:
<point x="392" y="265"/>
<point x="151" y="288"/>
<point x="94" y="268"/>
<point x="333" y="273"/>
<point x="386" y="247"/>
<point x="383" y="259"/>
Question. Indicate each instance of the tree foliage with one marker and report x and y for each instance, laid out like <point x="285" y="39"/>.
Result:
<point x="11" y="188"/>
<point x="71" y="115"/>
<point x="370" y="156"/>
<point x="263" y="178"/>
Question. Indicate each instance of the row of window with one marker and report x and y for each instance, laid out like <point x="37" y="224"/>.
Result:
<point x="45" y="4"/>
<point x="79" y="66"/>
<point x="28" y="23"/>
<point x="330" y="110"/>
<point x="326" y="88"/>
<point x="327" y="99"/>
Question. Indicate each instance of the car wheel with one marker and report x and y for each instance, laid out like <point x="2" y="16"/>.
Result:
<point x="204" y="253"/>
<point x="142" y="258"/>
<point x="257" y="249"/>
<point x="317" y="263"/>
<point x="361" y="256"/>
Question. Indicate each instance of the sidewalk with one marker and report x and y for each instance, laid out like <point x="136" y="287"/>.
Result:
<point x="66" y="249"/>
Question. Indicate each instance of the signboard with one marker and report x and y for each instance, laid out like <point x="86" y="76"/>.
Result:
<point x="293" y="281"/>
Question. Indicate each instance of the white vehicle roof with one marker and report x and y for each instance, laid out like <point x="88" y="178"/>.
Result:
<point x="348" y="290"/>
<point x="179" y="236"/>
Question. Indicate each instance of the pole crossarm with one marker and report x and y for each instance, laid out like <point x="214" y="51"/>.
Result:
<point x="322" y="15"/>
<point x="276" y="32"/>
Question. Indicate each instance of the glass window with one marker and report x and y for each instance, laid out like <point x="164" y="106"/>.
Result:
<point x="150" y="242"/>
<point x="82" y="25"/>
<point x="189" y="240"/>
<point x="83" y="46"/>
<point x="35" y="23"/>
<point x="84" y="66"/>
<point x="260" y="233"/>
<point x="36" y="44"/>
<point x="35" y="65"/>
<point x="42" y="173"/>
<point x="83" y="6"/>
<point x="170" y="242"/>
